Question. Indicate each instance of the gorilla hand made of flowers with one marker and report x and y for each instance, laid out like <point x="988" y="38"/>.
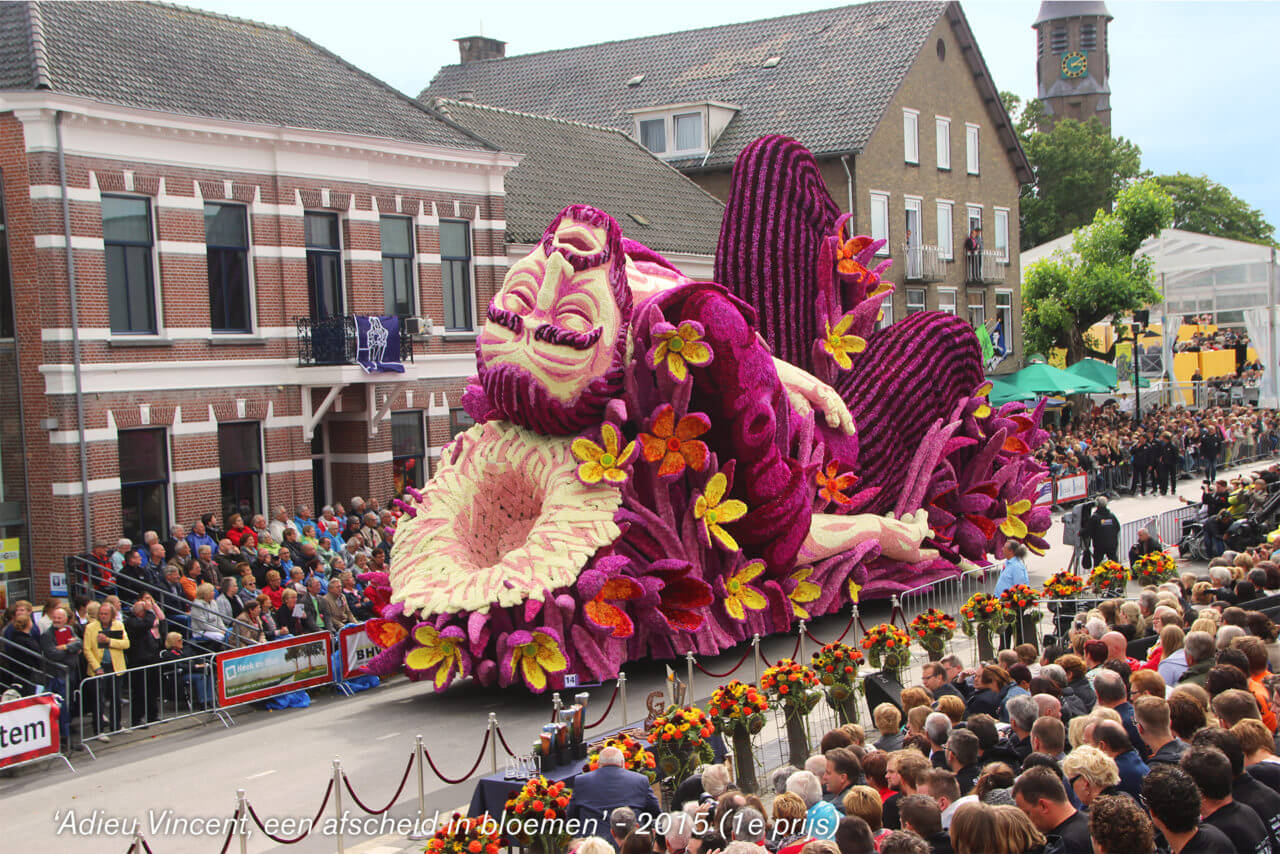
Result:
<point x="662" y="465"/>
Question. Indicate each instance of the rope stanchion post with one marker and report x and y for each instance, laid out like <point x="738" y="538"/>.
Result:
<point x="493" y="741"/>
<point x="418" y="833"/>
<point x="136" y="847"/>
<point x="242" y="822"/>
<point x="337" y="803"/>
<point x="688" y="660"/>
<point x="801" y="658"/>
<point x="755" y="653"/>
<point x="622" y="694"/>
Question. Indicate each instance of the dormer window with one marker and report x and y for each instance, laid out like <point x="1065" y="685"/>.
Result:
<point x="681" y="130"/>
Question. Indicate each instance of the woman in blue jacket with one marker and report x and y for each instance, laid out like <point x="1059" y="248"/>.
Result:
<point x="1015" y="567"/>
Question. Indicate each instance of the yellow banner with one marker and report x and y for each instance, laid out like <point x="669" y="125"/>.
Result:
<point x="10" y="560"/>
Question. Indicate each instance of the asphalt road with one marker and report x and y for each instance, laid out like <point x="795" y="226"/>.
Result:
<point x="283" y="760"/>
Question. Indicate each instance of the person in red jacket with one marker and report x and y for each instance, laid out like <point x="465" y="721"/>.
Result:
<point x="241" y="537"/>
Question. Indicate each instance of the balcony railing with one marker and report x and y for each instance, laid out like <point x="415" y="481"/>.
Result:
<point x="924" y="263"/>
<point x="985" y="267"/>
<point x="333" y="340"/>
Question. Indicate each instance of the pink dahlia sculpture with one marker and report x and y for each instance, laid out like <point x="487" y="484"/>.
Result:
<point x="662" y="465"/>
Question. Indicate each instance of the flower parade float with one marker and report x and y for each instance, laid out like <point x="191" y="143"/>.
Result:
<point x="738" y="711"/>
<point x="837" y="667"/>
<point x="661" y="465"/>
<point x="793" y="690"/>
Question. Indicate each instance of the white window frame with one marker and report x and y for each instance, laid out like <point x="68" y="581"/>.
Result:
<point x="951" y="293"/>
<point x="942" y="139"/>
<point x="669" y="128"/>
<point x="880" y="197"/>
<point x="999" y="228"/>
<point x="969" y="210"/>
<point x="911" y="136"/>
<point x="947" y="234"/>
<point x="476" y="321"/>
<point x="161" y="332"/>
<point x="415" y="297"/>
<point x="922" y="305"/>
<point x="252" y="278"/>
<point x="970" y="294"/>
<point x="999" y="312"/>
<point x="972" y="149"/>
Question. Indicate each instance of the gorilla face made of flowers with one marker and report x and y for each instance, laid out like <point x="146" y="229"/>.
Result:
<point x="550" y="353"/>
<point x="651" y="472"/>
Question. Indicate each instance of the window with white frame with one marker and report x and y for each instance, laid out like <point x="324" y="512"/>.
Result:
<point x="226" y="236"/>
<point x="911" y="135"/>
<point x="915" y="300"/>
<point x="129" y="241"/>
<point x="880" y="220"/>
<point x="886" y="313"/>
<point x="144" y="481"/>
<point x="947" y="300"/>
<point x="974" y="216"/>
<point x="1000" y="225"/>
<point x="943" y="127"/>
<point x="946" y="227"/>
<point x="397" y="265"/>
<point x="977" y="308"/>
<point x="971" y="148"/>
<point x="1002" y="335"/>
<point x="455" y="270"/>
<point x="673" y="134"/>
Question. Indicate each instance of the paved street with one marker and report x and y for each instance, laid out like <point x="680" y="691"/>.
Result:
<point x="284" y="759"/>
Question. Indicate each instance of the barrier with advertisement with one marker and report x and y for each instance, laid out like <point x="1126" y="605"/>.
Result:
<point x="266" y="670"/>
<point x="1044" y="493"/>
<point x="1072" y="488"/>
<point x="29" y="729"/>
<point x="355" y="648"/>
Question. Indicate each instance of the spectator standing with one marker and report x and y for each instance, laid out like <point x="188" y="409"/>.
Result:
<point x="105" y="642"/>
<point x="1103" y="531"/>
<point x="143" y="625"/>
<point x="23" y="631"/>
<point x="1211" y="771"/>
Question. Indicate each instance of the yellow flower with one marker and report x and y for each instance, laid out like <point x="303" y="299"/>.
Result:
<point x="711" y="512"/>
<point x="1013" y="526"/>
<point x="739" y="594"/>
<point x="538" y="657"/>
<point x="435" y="650"/>
<point x="806" y="591"/>
<point x="984" y="408"/>
<point x="839" y="345"/>
<point x="679" y="346"/>
<point x="854" y="589"/>
<point x="603" y="463"/>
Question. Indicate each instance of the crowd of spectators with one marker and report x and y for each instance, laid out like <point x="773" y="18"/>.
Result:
<point x="1073" y="746"/>
<point x="1169" y="444"/>
<point x="199" y="590"/>
<point x="1222" y="338"/>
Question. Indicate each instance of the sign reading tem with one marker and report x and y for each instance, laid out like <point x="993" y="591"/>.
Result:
<point x="28" y="729"/>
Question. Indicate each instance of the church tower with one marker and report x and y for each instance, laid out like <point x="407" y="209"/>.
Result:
<point x="1073" y="64"/>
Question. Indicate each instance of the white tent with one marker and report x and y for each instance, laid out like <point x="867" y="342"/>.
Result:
<point x="1235" y="281"/>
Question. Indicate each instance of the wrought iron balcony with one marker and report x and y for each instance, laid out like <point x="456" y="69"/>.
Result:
<point x="924" y="263"/>
<point x="984" y="267"/>
<point x="334" y="340"/>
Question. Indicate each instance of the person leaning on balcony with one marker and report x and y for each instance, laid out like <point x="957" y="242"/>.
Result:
<point x="973" y="252"/>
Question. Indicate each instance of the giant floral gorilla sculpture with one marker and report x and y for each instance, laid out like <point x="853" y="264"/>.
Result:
<point x="662" y="465"/>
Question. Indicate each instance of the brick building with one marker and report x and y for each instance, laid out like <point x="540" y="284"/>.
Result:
<point x="195" y="210"/>
<point x="894" y="100"/>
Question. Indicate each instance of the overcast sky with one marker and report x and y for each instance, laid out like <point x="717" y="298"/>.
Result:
<point x="1193" y="83"/>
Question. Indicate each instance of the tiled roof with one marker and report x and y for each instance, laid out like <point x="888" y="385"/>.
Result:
<point x="174" y="59"/>
<point x="569" y="163"/>
<point x="837" y="71"/>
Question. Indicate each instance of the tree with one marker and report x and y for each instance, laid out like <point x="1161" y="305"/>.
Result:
<point x="1064" y="295"/>
<point x="1207" y="207"/>
<point x="1079" y="168"/>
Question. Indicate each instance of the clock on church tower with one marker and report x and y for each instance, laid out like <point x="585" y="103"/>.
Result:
<point x="1073" y="61"/>
<point x="1074" y="65"/>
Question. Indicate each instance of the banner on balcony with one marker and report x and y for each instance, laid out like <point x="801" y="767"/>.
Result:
<point x="378" y="344"/>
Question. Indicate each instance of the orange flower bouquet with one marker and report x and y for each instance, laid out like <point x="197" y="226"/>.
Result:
<point x="678" y="738"/>
<point x="1108" y="578"/>
<point x="932" y="629"/>
<point x="462" y="835"/>
<point x="983" y="611"/>
<point x="1021" y="600"/>
<point x="1155" y="568"/>
<point x="888" y="647"/>
<point x="738" y="710"/>
<point x="548" y="803"/>
<point x="837" y="667"/>
<point x="1063" y="584"/>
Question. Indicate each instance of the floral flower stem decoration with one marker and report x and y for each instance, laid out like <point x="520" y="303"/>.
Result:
<point x="678" y="739"/>
<point x="1108" y="578"/>
<point x="793" y="688"/>
<point x="544" y="805"/>
<point x="738" y="711"/>
<point x="1063" y="584"/>
<point x="983" y="612"/>
<point x="713" y="511"/>
<point x="603" y="463"/>
<point x="932" y="629"/>
<point x="888" y="648"/>
<point x="678" y="347"/>
<point x="837" y="667"/>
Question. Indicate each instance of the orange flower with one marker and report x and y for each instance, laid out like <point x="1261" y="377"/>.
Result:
<point x="676" y="444"/>
<point x="834" y="484"/>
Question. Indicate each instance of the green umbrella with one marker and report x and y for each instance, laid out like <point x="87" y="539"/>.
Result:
<point x="1002" y="392"/>
<point x="1096" y="370"/>
<point x="1046" y="379"/>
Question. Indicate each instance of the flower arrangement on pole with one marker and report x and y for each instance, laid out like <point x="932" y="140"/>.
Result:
<point x="738" y="711"/>
<point x="678" y="738"/>
<point x="1108" y="578"/>
<point x="1019" y="602"/>
<point x="634" y="756"/>
<point x="546" y="802"/>
<point x="1155" y="568"/>
<point x="1063" y="584"/>
<point x="837" y="667"/>
<point x="983" y="617"/>
<point x="463" y="835"/>
<point x="931" y="629"/>
<point x="793" y="688"/>
<point x="888" y="647"/>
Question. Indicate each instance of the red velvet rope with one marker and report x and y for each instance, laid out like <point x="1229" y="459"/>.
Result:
<point x="466" y="776"/>
<point x="226" y="843"/>
<point x="607" y="709"/>
<point x="502" y="739"/>
<point x="346" y="781"/>
<point x="793" y="655"/>
<point x="837" y="640"/>
<point x="730" y="671"/>
<point x="328" y="792"/>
